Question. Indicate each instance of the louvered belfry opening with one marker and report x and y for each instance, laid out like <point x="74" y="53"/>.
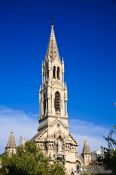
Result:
<point x="57" y="101"/>
<point x="44" y="102"/>
<point x="54" y="72"/>
<point x="58" y="73"/>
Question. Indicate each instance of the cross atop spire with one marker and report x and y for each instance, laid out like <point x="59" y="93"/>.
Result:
<point x="52" y="52"/>
<point x="11" y="142"/>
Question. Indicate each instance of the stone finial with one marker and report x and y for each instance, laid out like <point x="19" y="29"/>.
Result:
<point x="22" y="141"/>
<point x="62" y="60"/>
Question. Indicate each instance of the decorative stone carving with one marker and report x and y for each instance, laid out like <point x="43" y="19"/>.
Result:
<point x="60" y="146"/>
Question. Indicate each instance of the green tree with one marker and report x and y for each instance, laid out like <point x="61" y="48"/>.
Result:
<point x="29" y="160"/>
<point x="108" y="157"/>
<point x="57" y="169"/>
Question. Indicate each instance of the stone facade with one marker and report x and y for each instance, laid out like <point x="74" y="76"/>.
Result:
<point x="53" y="135"/>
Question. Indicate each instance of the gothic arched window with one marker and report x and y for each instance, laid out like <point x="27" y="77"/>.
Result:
<point x="54" y="72"/>
<point x="57" y="101"/>
<point x="72" y="173"/>
<point x="44" y="98"/>
<point x="58" y="73"/>
<point x="48" y="74"/>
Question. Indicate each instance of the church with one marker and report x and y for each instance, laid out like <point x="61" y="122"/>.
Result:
<point x="53" y="135"/>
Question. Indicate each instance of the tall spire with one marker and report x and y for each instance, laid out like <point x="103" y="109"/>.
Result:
<point x="11" y="142"/>
<point x="52" y="52"/>
<point x="86" y="148"/>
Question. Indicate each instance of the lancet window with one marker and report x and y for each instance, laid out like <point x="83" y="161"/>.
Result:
<point x="44" y="97"/>
<point x="57" y="101"/>
<point x="58" y="73"/>
<point x="54" y="72"/>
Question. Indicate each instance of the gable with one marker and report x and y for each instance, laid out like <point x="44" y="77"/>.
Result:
<point x="40" y="135"/>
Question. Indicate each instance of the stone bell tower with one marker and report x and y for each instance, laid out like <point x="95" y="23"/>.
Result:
<point x="53" y="91"/>
<point x="53" y="135"/>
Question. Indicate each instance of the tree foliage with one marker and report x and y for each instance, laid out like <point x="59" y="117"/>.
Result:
<point x="108" y="157"/>
<point x="29" y="160"/>
<point x="57" y="169"/>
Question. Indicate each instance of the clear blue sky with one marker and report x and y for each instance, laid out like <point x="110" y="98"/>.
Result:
<point x="86" y="36"/>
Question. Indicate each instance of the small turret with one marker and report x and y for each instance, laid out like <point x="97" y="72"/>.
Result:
<point x="86" y="154"/>
<point x="11" y="145"/>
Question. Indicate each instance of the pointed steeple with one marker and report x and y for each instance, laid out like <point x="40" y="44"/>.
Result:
<point x="11" y="142"/>
<point x="86" y="148"/>
<point x="52" y="52"/>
